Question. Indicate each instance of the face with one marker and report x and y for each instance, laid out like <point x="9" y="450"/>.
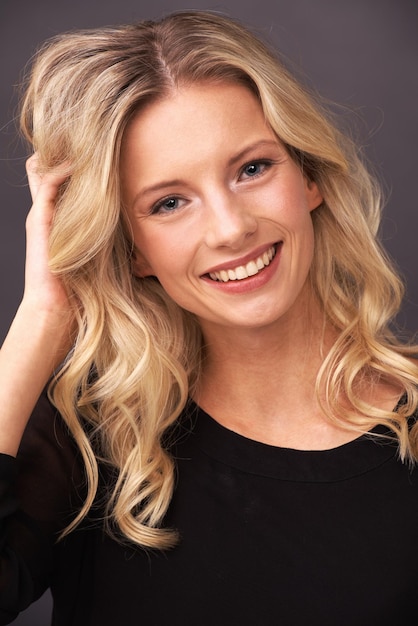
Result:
<point x="220" y="213"/>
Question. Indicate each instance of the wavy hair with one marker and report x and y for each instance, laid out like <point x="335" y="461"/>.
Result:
<point x="137" y="355"/>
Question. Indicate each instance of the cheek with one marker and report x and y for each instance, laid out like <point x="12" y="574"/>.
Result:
<point x="171" y="242"/>
<point x="143" y="263"/>
<point x="158" y="254"/>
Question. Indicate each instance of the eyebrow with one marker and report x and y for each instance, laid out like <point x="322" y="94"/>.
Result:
<point x="264" y="143"/>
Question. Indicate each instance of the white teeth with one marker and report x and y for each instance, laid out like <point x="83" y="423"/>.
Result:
<point x="241" y="272"/>
<point x="232" y="275"/>
<point x="252" y="268"/>
<point x="244" y="271"/>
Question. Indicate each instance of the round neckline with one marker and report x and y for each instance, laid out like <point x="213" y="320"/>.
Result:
<point x="230" y="448"/>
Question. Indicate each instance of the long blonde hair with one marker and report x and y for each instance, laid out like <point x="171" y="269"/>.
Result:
<point x="137" y="355"/>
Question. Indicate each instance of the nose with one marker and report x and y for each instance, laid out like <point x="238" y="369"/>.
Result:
<point x="229" y="221"/>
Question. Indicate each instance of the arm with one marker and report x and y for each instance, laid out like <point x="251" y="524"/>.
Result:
<point x="35" y="488"/>
<point x="40" y="335"/>
<point x="40" y="492"/>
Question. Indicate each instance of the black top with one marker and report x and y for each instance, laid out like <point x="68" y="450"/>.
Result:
<point x="269" y="535"/>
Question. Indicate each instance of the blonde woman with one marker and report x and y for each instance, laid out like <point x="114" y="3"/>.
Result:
<point x="227" y="433"/>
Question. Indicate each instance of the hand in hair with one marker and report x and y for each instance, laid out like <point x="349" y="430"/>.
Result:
<point x="40" y="335"/>
<point x="42" y="288"/>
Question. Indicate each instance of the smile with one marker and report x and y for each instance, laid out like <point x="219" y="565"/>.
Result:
<point x="251" y="268"/>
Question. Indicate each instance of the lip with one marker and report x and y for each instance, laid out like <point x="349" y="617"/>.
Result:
<point x="252" y="283"/>
<point x="233" y="263"/>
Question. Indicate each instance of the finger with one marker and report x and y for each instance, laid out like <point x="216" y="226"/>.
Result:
<point x="44" y="186"/>
<point x="34" y="177"/>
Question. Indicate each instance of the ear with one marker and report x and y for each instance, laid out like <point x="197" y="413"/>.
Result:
<point x="140" y="266"/>
<point x="313" y="195"/>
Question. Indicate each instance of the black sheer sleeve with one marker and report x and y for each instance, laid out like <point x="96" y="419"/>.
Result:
<point x="40" y="492"/>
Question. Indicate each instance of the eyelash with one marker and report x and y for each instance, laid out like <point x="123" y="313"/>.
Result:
<point x="267" y="163"/>
<point x="159" y="205"/>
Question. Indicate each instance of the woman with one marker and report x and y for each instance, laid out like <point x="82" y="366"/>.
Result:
<point x="234" y="427"/>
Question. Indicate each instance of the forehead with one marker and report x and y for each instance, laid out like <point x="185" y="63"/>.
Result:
<point x="200" y="114"/>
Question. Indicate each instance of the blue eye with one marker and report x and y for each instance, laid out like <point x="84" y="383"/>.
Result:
<point x="252" y="169"/>
<point x="166" y="205"/>
<point x="170" y="204"/>
<point x="255" y="168"/>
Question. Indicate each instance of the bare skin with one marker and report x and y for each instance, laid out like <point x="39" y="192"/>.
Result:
<point x="264" y="388"/>
<point x="39" y="337"/>
<point x="277" y="405"/>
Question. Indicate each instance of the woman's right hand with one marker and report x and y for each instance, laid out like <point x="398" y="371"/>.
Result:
<point x="41" y="333"/>
<point x="43" y="290"/>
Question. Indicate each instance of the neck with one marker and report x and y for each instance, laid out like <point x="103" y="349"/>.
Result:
<point x="254" y="379"/>
<point x="264" y="356"/>
<point x="261" y="383"/>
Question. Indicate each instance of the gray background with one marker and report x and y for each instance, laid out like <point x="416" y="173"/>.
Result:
<point x="361" y="54"/>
